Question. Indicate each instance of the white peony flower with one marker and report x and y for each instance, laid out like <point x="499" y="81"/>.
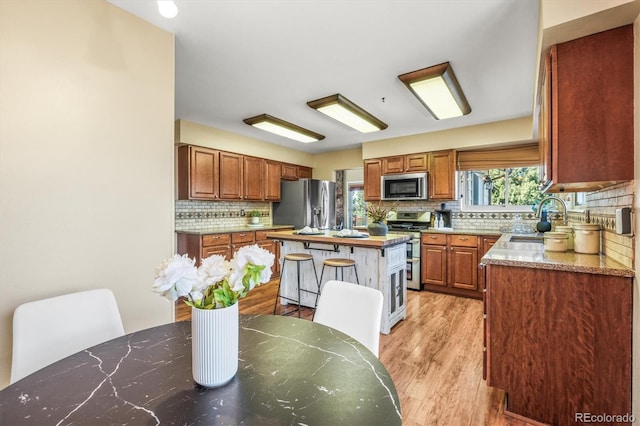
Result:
<point x="205" y="286"/>
<point x="176" y="278"/>
<point x="213" y="270"/>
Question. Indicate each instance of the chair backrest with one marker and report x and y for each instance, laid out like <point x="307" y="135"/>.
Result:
<point x="45" y="331"/>
<point x="353" y="309"/>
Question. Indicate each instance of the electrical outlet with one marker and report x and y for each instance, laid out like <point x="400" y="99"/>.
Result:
<point x="242" y="212"/>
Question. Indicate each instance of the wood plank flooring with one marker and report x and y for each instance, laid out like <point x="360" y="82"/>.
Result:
<point x="434" y="358"/>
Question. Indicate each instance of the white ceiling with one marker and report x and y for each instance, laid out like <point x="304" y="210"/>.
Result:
<point x="240" y="58"/>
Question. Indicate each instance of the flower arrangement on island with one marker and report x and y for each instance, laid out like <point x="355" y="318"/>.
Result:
<point x="379" y="213"/>
<point x="217" y="283"/>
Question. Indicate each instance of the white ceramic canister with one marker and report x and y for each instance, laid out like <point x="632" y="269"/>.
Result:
<point x="569" y="231"/>
<point x="555" y="241"/>
<point x="587" y="238"/>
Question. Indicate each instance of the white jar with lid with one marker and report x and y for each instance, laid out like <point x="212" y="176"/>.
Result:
<point x="569" y="231"/>
<point x="555" y="241"/>
<point x="587" y="238"/>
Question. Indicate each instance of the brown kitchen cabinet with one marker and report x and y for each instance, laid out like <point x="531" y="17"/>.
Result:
<point x="449" y="264"/>
<point x="485" y="245"/>
<point x="202" y="246"/>
<point x="304" y="172"/>
<point x="586" y="112"/>
<point x="372" y="179"/>
<point x="253" y="179"/>
<point x="272" y="173"/>
<point x="295" y="172"/>
<point x="197" y="173"/>
<point x="272" y="246"/>
<point x="241" y="239"/>
<point x="433" y="259"/>
<point x="442" y="175"/>
<point x="411" y="163"/>
<point x="559" y="342"/>
<point x="231" y="176"/>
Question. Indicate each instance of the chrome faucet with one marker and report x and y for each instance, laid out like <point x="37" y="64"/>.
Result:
<point x="560" y="202"/>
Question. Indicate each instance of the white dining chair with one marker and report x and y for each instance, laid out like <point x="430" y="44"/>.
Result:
<point x="352" y="309"/>
<point x="47" y="330"/>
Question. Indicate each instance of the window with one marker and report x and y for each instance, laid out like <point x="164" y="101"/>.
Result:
<point x="515" y="189"/>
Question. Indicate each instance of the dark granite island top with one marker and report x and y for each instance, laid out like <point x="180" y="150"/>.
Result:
<point x="291" y="372"/>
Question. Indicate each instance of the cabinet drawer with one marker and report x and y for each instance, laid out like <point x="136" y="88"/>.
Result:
<point x="463" y="240"/>
<point x="215" y="240"/>
<point x="436" y="239"/>
<point x="243" y="237"/>
<point x="262" y="235"/>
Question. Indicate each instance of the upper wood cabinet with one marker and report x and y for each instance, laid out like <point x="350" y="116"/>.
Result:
<point x="442" y="175"/>
<point x="294" y="172"/>
<point x="289" y="171"/>
<point x="372" y="180"/>
<point x="272" y="173"/>
<point x="197" y="173"/>
<point x="231" y="176"/>
<point x="405" y="164"/>
<point x="209" y="174"/>
<point x="587" y="112"/>
<point x="254" y="183"/>
<point x="304" y="172"/>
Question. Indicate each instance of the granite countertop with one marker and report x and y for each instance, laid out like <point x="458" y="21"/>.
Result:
<point x="330" y="237"/>
<point x="460" y="231"/>
<point x="533" y="255"/>
<point x="234" y="229"/>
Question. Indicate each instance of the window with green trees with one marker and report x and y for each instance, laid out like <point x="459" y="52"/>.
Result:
<point x="511" y="187"/>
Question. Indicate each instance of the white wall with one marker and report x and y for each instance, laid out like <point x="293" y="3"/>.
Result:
<point x="86" y="157"/>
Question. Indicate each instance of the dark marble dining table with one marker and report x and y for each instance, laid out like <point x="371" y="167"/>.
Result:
<point x="290" y="372"/>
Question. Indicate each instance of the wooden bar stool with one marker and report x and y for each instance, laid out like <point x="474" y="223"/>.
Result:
<point x="298" y="258"/>
<point x="339" y="263"/>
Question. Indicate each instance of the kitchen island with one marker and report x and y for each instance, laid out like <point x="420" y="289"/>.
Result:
<point x="380" y="262"/>
<point x="557" y="331"/>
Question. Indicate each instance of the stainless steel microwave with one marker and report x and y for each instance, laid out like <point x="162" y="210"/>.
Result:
<point x="412" y="186"/>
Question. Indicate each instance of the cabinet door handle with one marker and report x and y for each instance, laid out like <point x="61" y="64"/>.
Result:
<point x="433" y="237"/>
<point x="463" y="238"/>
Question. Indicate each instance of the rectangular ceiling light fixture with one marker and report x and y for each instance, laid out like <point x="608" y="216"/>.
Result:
<point x="283" y="128"/>
<point x="342" y="109"/>
<point x="438" y="90"/>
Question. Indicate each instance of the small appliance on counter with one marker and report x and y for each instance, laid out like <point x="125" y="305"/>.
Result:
<point x="442" y="217"/>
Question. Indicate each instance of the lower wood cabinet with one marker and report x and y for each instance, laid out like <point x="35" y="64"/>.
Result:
<point x="226" y="244"/>
<point x="449" y="263"/>
<point x="559" y="342"/>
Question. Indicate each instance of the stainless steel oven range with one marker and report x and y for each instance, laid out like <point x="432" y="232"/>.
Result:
<point x="411" y="223"/>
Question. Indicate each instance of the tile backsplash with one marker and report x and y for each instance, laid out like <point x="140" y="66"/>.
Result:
<point x="201" y="215"/>
<point x="600" y="208"/>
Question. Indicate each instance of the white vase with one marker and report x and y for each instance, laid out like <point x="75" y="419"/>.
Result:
<point x="214" y="345"/>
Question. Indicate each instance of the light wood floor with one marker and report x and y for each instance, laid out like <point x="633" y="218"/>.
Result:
<point x="434" y="358"/>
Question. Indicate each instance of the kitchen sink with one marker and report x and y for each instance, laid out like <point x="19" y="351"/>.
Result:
<point x="526" y="239"/>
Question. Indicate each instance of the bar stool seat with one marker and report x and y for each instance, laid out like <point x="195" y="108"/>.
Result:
<point x="298" y="258"/>
<point x="339" y="263"/>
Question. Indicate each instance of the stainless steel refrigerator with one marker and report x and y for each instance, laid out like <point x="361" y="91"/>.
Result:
<point x="306" y="202"/>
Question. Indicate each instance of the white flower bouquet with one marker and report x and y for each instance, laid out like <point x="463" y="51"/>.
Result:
<point x="217" y="283"/>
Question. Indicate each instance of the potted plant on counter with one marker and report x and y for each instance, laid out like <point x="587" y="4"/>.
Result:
<point x="255" y="217"/>
<point x="378" y="214"/>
